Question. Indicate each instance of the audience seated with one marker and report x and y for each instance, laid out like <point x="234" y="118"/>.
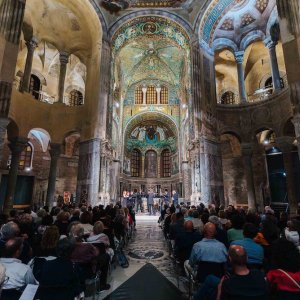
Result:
<point x="18" y="274"/>
<point x="236" y="231"/>
<point x="284" y="274"/>
<point x="255" y="252"/>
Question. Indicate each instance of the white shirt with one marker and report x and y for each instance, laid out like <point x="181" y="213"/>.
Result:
<point x="18" y="273"/>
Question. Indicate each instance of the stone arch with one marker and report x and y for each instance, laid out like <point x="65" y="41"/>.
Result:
<point x="224" y="43"/>
<point x="42" y="136"/>
<point x="251" y="37"/>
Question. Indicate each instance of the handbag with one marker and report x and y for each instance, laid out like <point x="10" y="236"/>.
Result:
<point x="292" y="279"/>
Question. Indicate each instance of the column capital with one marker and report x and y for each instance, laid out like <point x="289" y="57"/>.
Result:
<point x="270" y="43"/>
<point x="32" y="44"/>
<point x="285" y="143"/>
<point x="247" y="149"/>
<point x="64" y="57"/>
<point x="17" y="144"/>
<point x="239" y="56"/>
<point x="55" y="150"/>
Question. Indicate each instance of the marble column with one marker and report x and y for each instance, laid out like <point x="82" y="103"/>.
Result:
<point x="16" y="146"/>
<point x="239" y="58"/>
<point x="31" y="46"/>
<point x="88" y="178"/>
<point x="158" y="90"/>
<point x="64" y="59"/>
<point x="285" y="144"/>
<point x="55" y="151"/>
<point x="144" y="90"/>
<point x="296" y="122"/>
<point x="271" y="45"/>
<point x="247" y="151"/>
<point x="11" y="20"/>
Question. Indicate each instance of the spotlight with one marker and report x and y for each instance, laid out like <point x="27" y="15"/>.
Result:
<point x="184" y="106"/>
<point x="266" y="142"/>
<point x="117" y="105"/>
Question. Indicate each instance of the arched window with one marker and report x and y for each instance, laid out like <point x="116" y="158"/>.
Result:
<point x="151" y="164"/>
<point x="151" y="95"/>
<point x="76" y="98"/>
<point x="35" y="86"/>
<point x="269" y="84"/>
<point x="164" y="95"/>
<point x="25" y="158"/>
<point x="166" y="163"/>
<point x="135" y="163"/>
<point x="228" y="98"/>
<point x="138" y="95"/>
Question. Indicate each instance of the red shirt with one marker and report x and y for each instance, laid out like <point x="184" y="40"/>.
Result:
<point x="282" y="282"/>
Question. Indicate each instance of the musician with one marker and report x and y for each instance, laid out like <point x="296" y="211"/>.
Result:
<point x="175" y="198"/>
<point x="150" y="202"/>
<point x="139" y="201"/>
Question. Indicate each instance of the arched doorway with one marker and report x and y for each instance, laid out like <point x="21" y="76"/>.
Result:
<point x="151" y="164"/>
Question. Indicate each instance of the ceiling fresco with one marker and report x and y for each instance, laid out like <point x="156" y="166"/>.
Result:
<point x="233" y="19"/>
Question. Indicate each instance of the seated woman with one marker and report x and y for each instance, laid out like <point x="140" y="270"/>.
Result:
<point x="58" y="279"/>
<point x="284" y="276"/>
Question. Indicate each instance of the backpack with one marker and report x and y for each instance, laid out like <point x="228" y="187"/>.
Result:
<point x="122" y="259"/>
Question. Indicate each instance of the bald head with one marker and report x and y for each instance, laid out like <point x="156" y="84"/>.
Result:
<point x="189" y="226"/>
<point x="237" y="255"/>
<point x="209" y="230"/>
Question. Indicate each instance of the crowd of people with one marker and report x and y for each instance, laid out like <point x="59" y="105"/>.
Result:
<point x="235" y="253"/>
<point x="67" y="252"/>
<point x="231" y="253"/>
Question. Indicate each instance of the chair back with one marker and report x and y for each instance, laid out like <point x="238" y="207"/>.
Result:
<point x="206" y="268"/>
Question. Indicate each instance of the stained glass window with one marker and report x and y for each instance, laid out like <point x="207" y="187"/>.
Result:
<point x="166" y="163"/>
<point x="151" y="95"/>
<point x="25" y="158"/>
<point x="138" y="95"/>
<point x="135" y="163"/>
<point x="76" y="98"/>
<point x="228" y="98"/>
<point x="164" y="95"/>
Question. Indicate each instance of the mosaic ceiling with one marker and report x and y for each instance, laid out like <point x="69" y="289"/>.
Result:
<point x="233" y="19"/>
<point x="150" y="48"/>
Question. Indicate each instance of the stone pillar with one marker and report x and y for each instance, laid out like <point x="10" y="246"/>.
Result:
<point x="88" y="177"/>
<point x="186" y="174"/>
<point x="115" y="180"/>
<point x="271" y="45"/>
<point x="105" y="109"/>
<point x="247" y="151"/>
<point x="158" y="90"/>
<point x="31" y="46"/>
<point x="212" y="187"/>
<point x="64" y="59"/>
<point x="16" y="146"/>
<point x="3" y="127"/>
<point x="296" y="122"/>
<point x="285" y="144"/>
<point x="144" y="90"/>
<point x="55" y="151"/>
<point x="11" y="20"/>
<point x="239" y="58"/>
<point x="159" y="175"/>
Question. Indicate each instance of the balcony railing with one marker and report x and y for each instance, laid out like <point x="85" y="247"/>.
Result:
<point x="260" y="94"/>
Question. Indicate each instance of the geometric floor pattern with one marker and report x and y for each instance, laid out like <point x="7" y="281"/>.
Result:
<point x="147" y="245"/>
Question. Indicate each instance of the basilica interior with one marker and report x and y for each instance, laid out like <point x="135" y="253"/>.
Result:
<point x="198" y="96"/>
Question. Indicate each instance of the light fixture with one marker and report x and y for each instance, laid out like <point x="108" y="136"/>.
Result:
<point x="266" y="142"/>
<point x="28" y="169"/>
<point x="184" y="106"/>
<point x="117" y="104"/>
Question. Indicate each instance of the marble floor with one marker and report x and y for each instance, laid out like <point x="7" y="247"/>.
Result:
<point x="147" y="245"/>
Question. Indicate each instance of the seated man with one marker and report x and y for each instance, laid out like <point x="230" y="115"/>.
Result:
<point x="18" y="274"/>
<point x="243" y="283"/>
<point x="185" y="241"/>
<point x="255" y="252"/>
<point x="207" y="250"/>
